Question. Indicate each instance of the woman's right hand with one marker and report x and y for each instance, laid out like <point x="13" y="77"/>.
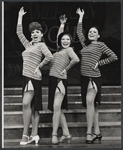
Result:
<point x="80" y="12"/>
<point x="21" y="12"/>
<point x="37" y="71"/>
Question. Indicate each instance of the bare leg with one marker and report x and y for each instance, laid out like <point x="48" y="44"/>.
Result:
<point x="66" y="137"/>
<point x="35" y="122"/>
<point x="91" y="93"/>
<point x="27" y="112"/>
<point x="64" y="124"/>
<point x="57" y="111"/>
<point x="96" y="122"/>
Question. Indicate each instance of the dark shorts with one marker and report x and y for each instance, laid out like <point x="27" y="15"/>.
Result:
<point x="84" y="85"/>
<point x="53" y="82"/>
<point x="37" y="99"/>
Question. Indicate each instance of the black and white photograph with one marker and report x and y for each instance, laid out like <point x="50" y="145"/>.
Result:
<point x="61" y="74"/>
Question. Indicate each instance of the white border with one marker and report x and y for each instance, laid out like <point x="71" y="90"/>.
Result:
<point x="2" y="74"/>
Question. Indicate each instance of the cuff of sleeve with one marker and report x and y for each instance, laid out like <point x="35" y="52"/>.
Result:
<point x="99" y="63"/>
<point x="40" y="65"/>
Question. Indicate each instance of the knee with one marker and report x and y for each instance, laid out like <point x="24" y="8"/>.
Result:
<point x="56" y="107"/>
<point x="26" y="104"/>
<point x="89" y="100"/>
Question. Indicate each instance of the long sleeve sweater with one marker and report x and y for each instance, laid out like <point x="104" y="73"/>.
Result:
<point x="92" y="53"/>
<point x="64" y="59"/>
<point x="32" y="55"/>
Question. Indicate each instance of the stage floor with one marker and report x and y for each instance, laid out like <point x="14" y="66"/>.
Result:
<point x="75" y="143"/>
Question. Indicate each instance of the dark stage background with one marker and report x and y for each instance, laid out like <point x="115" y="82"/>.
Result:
<point x="107" y="15"/>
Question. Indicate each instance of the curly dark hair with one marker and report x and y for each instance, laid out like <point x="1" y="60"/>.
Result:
<point x="35" y="25"/>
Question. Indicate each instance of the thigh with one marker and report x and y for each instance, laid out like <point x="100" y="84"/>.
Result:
<point x="29" y="86"/>
<point x="91" y="91"/>
<point x="60" y="88"/>
<point x="92" y="85"/>
<point x="58" y="99"/>
<point x="28" y="96"/>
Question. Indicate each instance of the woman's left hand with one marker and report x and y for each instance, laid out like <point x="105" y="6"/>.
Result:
<point x="63" y="19"/>
<point x="96" y="66"/>
<point x="37" y="71"/>
<point x="64" y="72"/>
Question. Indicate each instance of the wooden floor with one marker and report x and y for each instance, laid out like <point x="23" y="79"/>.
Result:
<point x="75" y="143"/>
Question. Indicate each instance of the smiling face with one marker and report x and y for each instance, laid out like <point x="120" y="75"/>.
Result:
<point x="36" y="35"/>
<point x="93" y="34"/>
<point x="65" y="41"/>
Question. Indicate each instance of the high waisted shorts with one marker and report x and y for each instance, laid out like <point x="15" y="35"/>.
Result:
<point x="84" y="85"/>
<point x="53" y="83"/>
<point x="36" y="85"/>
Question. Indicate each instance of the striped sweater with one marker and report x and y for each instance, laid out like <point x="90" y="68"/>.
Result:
<point x="32" y="55"/>
<point x="64" y="59"/>
<point x="91" y="54"/>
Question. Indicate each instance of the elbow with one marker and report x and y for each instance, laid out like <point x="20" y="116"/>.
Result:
<point x="16" y="31"/>
<point x="77" y="60"/>
<point x="116" y="58"/>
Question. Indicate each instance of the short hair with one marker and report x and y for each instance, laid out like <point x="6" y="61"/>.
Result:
<point x="61" y="35"/>
<point x="35" y="26"/>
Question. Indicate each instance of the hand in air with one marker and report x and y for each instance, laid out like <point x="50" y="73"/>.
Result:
<point x="63" y="19"/>
<point x="21" y="12"/>
<point x="80" y="12"/>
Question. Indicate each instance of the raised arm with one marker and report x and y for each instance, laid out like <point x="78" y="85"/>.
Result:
<point x="19" y="31"/>
<point x="79" y="27"/>
<point x="63" y="20"/>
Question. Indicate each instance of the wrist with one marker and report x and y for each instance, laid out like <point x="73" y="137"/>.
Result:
<point x="20" y="16"/>
<point x="62" y="25"/>
<point x="38" y="66"/>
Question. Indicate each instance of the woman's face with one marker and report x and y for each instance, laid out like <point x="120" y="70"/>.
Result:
<point x="65" y="41"/>
<point x="36" y="35"/>
<point x="93" y="34"/>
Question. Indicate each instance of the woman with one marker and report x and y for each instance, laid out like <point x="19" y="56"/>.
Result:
<point x="32" y="62"/>
<point x="91" y="76"/>
<point x="62" y="61"/>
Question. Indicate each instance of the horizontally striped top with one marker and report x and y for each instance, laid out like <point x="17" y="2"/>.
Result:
<point x="91" y="54"/>
<point x="32" y="55"/>
<point x="64" y="59"/>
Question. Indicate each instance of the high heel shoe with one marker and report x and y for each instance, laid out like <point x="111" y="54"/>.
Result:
<point x="34" y="138"/>
<point x="54" y="141"/>
<point x="23" y="142"/>
<point x="98" y="137"/>
<point x="65" y="139"/>
<point x="89" y="141"/>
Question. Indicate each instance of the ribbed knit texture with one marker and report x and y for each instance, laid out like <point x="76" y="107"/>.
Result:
<point x="92" y="53"/>
<point x="32" y="55"/>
